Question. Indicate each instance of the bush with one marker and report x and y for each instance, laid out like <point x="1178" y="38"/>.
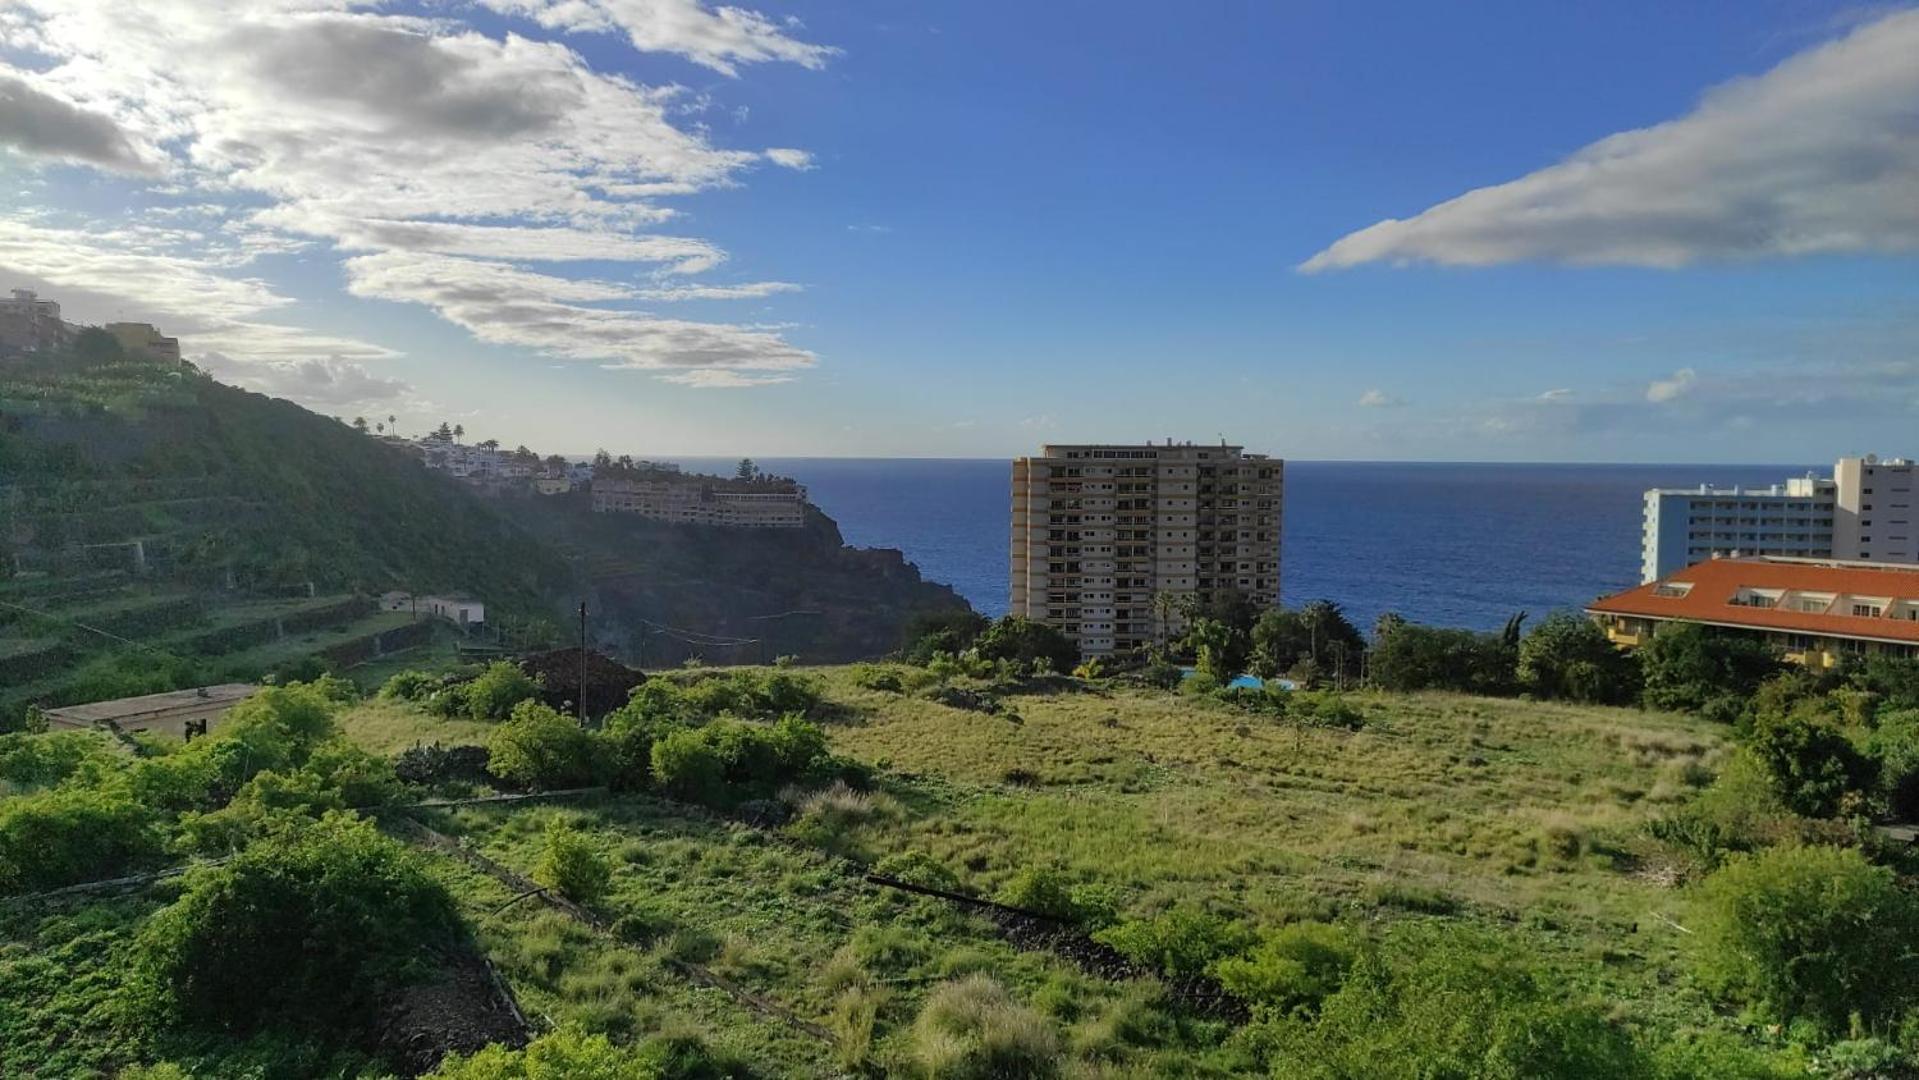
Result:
<point x="1895" y="745"/>
<point x="1688" y="667"/>
<point x="540" y="749"/>
<point x="686" y="767"/>
<point x="1812" y="764"/>
<point x="1182" y="942"/>
<point x="1162" y="673"/>
<point x="69" y="835"/>
<point x="572" y="865"/>
<point x="1812" y="933"/>
<point x="1292" y="970"/>
<point x="1042" y="889"/>
<point x="497" y="692"/>
<point x="410" y="686"/>
<point x="831" y="818"/>
<point x="874" y="677"/>
<point x="971" y="1029"/>
<point x="1568" y="657"/>
<point x="36" y="761"/>
<point x="306" y="929"/>
<point x="569" y="1053"/>
<point x="436" y="764"/>
<point x="1449" y="1004"/>
<point x="918" y="868"/>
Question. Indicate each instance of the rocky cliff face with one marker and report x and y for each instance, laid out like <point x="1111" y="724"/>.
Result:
<point x="658" y="594"/>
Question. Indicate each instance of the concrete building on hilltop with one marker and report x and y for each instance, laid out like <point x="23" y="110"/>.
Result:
<point x="142" y="339"/>
<point x="1100" y="531"/>
<point x="29" y="324"/>
<point x="683" y="499"/>
<point x="1864" y="513"/>
<point x="1815" y="610"/>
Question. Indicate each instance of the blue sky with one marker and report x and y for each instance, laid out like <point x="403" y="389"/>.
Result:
<point x="961" y="230"/>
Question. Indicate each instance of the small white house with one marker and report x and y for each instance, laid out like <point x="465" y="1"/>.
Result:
<point x="461" y="609"/>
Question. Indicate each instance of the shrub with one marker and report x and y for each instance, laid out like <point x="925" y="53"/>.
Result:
<point x="566" y="1053"/>
<point x="1687" y="667"/>
<point x="572" y="865"/>
<point x="69" y="835"/>
<point x="410" y="686"/>
<point x="1292" y="970"/>
<point x="831" y="818"/>
<point x="1816" y="933"/>
<point x="1162" y="673"/>
<point x="44" y="760"/>
<point x="686" y="767"/>
<point x="437" y="764"/>
<point x="1040" y="888"/>
<point x="305" y="928"/>
<point x="917" y="868"/>
<point x="1181" y="942"/>
<point x="1895" y="745"/>
<point x="874" y="677"/>
<point x="971" y="1029"/>
<point x="1450" y="1004"/>
<point x="540" y="749"/>
<point x="498" y="691"/>
<point x="1812" y="764"/>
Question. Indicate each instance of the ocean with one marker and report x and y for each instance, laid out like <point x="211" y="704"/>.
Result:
<point x="1446" y="544"/>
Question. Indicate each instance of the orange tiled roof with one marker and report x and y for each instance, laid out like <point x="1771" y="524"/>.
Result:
<point x="1717" y="581"/>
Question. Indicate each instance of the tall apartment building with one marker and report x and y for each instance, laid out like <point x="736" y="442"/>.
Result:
<point x="1100" y="530"/>
<point x="1863" y="512"/>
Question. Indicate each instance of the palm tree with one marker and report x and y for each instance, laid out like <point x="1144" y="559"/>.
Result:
<point x="379" y="428"/>
<point x="393" y="422"/>
<point x="458" y="430"/>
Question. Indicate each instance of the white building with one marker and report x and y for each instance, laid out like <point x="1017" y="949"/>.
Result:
<point x="29" y="324"/>
<point x="1863" y="512"/>
<point x="1099" y="531"/>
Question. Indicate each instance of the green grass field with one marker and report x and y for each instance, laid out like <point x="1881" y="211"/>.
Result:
<point x="1520" y="818"/>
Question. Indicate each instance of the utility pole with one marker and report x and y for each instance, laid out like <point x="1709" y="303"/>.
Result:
<point x="580" y="705"/>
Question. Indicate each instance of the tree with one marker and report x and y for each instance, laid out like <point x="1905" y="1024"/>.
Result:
<point x="459" y="432"/>
<point x="1567" y="657"/>
<point x="379" y="428"/>
<point x="1415" y="657"/>
<point x="1030" y="644"/>
<point x="489" y="444"/>
<point x="746" y="470"/>
<point x="443" y="433"/>
<point x="602" y="459"/>
<point x="1688" y="666"/>
<point x="1812" y="764"/>
<point x="949" y="631"/>
<point x="1218" y="649"/>
<point x="1171" y="612"/>
<point x="1895" y="745"/>
<point x="392" y="422"/>
<point x="359" y="424"/>
<point x="1817" y="933"/>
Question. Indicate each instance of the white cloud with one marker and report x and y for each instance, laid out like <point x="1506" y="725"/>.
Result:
<point x="39" y="124"/>
<point x="504" y="305"/>
<point x="750" y="291"/>
<point x="1660" y="391"/>
<point x="411" y="146"/>
<point x="719" y="38"/>
<point x="327" y="383"/>
<point x="790" y="158"/>
<point x="1818" y="155"/>
<point x="721" y="379"/>
<point x="1379" y="399"/>
<point x="1559" y="394"/>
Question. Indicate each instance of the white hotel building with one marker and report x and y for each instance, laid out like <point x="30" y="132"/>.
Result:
<point x="1863" y="512"/>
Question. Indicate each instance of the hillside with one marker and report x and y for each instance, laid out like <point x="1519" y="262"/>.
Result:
<point x="159" y="528"/>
